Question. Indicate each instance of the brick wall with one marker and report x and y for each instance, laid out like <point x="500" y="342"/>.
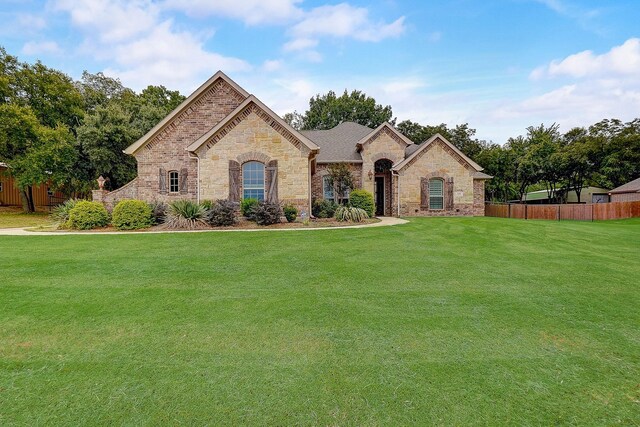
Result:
<point x="167" y="149"/>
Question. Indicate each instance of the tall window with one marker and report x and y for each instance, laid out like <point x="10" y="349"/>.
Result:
<point x="327" y="188"/>
<point x="173" y="182"/>
<point x="436" y="193"/>
<point x="253" y="180"/>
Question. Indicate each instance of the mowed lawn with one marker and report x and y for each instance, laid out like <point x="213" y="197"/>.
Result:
<point x="445" y="321"/>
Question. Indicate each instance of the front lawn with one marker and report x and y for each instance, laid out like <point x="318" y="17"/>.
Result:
<point x="440" y="321"/>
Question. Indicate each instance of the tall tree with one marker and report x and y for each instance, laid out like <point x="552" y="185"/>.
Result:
<point x="329" y="110"/>
<point x="462" y="136"/>
<point x="36" y="154"/>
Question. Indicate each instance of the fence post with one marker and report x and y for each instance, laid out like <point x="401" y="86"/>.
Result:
<point x="591" y="212"/>
<point x="526" y="213"/>
<point x="558" y="212"/>
<point x="508" y="210"/>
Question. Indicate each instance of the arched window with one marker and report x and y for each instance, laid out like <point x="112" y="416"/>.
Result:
<point x="174" y="182"/>
<point x="253" y="180"/>
<point x="436" y="193"/>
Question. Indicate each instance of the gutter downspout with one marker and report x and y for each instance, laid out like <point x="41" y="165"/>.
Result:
<point x="197" y="175"/>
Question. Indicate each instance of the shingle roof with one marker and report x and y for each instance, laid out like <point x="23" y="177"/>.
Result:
<point x="338" y="144"/>
<point x="629" y="187"/>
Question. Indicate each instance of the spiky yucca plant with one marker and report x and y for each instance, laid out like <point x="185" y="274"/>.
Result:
<point x="185" y="214"/>
<point x="60" y="214"/>
<point x="349" y="213"/>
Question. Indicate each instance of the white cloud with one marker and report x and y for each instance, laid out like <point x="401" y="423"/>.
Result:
<point x="623" y="60"/>
<point x="271" y="65"/>
<point x="142" y="48"/>
<point x="344" y="20"/>
<point x="37" y="48"/>
<point x="299" y="44"/>
<point x="251" y="12"/>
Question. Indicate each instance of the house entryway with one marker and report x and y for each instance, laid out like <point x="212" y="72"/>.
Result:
<point x="379" y="195"/>
<point x="382" y="187"/>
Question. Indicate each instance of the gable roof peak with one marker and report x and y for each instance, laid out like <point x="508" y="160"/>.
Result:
<point x="219" y="75"/>
<point x="430" y="141"/>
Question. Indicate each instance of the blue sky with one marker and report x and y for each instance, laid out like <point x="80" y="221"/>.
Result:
<point x="500" y="65"/>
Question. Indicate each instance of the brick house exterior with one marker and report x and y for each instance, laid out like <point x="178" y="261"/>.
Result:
<point x="223" y="143"/>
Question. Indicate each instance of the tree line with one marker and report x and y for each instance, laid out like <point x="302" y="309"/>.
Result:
<point x="605" y="154"/>
<point x="65" y="133"/>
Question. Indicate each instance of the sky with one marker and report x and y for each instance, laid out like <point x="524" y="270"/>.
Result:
<point x="499" y="65"/>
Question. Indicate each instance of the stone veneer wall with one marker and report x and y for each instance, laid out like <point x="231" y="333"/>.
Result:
<point x="167" y="149"/>
<point x="321" y="170"/>
<point x="439" y="159"/>
<point x="254" y="138"/>
<point x="383" y="145"/>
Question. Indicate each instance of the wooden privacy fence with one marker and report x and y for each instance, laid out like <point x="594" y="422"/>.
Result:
<point x="581" y="212"/>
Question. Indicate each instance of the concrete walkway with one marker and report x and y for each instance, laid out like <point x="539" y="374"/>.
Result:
<point x="384" y="221"/>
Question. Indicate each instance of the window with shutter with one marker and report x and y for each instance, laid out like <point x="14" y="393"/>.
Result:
<point x="173" y="182"/>
<point x="436" y="193"/>
<point x="162" y="181"/>
<point x="253" y="180"/>
<point x="271" y="181"/>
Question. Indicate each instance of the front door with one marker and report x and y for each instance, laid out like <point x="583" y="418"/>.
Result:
<point x="379" y="195"/>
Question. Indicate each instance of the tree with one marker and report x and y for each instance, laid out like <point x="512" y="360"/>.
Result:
<point x="295" y="120"/>
<point x="341" y="179"/>
<point x="98" y="90"/>
<point x="462" y="136"/>
<point x="36" y="154"/>
<point x="102" y="138"/>
<point x="327" y="111"/>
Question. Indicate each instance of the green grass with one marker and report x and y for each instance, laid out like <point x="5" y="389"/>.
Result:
<point x="440" y="321"/>
<point x="18" y="219"/>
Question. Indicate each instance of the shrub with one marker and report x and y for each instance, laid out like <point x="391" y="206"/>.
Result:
<point x="222" y="213"/>
<point x="132" y="215"/>
<point x="265" y="213"/>
<point x="290" y="212"/>
<point x="364" y="200"/>
<point x="86" y="215"/>
<point x="324" y="208"/>
<point x="185" y="214"/>
<point x="158" y="211"/>
<point x="350" y="213"/>
<point x="60" y="213"/>
<point x="247" y="206"/>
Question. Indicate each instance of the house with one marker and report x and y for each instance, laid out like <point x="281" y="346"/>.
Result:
<point x="43" y="196"/>
<point x="587" y="195"/>
<point x="224" y="143"/>
<point x="628" y="192"/>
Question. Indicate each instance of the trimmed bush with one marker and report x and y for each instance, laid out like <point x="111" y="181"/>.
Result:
<point x="364" y="200"/>
<point x="265" y="213"/>
<point x="185" y="214"/>
<point x="158" y="211"/>
<point x="132" y="215"/>
<point x="290" y="212"/>
<point x="60" y="213"/>
<point x="86" y="215"/>
<point x="349" y="213"/>
<point x="324" y="208"/>
<point x="247" y="206"/>
<point x="222" y="213"/>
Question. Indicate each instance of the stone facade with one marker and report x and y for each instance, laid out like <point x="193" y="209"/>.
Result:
<point x="166" y="149"/>
<point x="220" y="127"/>
<point x="254" y="139"/>
<point x="439" y="160"/>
